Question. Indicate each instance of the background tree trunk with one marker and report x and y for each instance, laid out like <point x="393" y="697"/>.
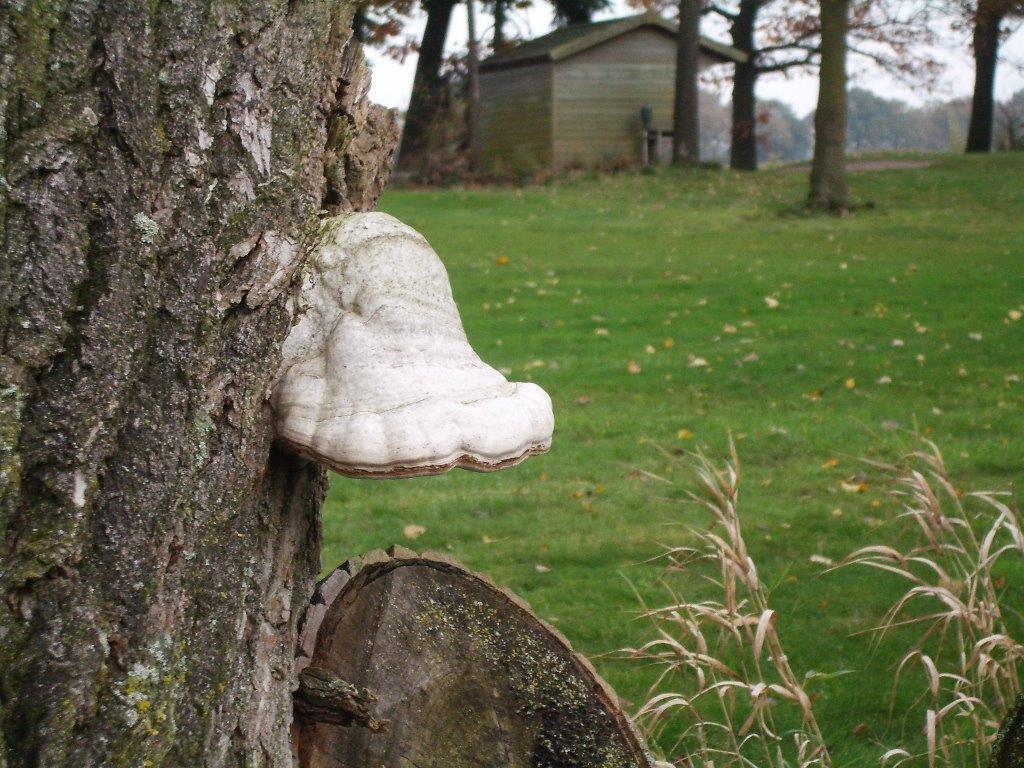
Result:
<point x="686" y="109"/>
<point x="743" y="147"/>
<point x="986" y="51"/>
<point x="476" y="138"/>
<point x="500" y="19"/>
<point x="828" y="170"/>
<point x="360" y="23"/>
<point x="568" y="12"/>
<point x="165" y="165"/>
<point x="426" y="84"/>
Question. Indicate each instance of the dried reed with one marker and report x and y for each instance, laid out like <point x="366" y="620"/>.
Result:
<point x="723" y="656"/>
<point x="965" y="651"/>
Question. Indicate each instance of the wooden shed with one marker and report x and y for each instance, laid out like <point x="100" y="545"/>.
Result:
<point x="573" y="97"/>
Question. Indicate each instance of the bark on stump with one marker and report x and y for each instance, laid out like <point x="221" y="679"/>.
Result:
<point x="162" y="169"/>
<point x="464" y="675"/>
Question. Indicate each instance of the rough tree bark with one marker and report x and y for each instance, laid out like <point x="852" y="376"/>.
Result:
<point x="163" y="168"/>
<point x="1009" y="747"/>
<point x="987" y="21"/>
<point x="426" y="84"/>
<point x="743" y="147"/>
<point x="686" y="109"/>
<point x="829" y="190"/>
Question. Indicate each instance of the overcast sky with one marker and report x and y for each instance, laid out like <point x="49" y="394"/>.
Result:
<point x="392" y="81"/>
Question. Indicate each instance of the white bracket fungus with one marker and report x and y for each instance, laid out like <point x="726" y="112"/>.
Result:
<point x="378" y="378"/>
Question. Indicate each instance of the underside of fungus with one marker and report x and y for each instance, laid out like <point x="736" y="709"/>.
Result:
<point x="378" y="378"/>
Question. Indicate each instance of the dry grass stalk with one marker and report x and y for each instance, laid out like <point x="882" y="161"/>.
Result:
<point x="725" y="709"/>
<point x="966" y="652"/>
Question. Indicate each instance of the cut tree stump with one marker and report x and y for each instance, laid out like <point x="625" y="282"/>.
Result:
<point x="457" y="672"/>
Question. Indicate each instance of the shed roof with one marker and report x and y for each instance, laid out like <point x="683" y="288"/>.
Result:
<point x="565" y="42"/>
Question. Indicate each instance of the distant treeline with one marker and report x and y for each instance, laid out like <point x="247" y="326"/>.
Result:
<point x="875" y="125"/>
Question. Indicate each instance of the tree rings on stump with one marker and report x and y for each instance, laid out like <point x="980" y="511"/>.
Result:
<point x="462" y="674"/>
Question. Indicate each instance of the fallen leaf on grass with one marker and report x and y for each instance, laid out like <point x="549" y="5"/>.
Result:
<point x="413" y="531"/>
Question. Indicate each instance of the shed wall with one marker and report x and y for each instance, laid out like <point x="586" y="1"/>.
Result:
<point x="597" y="96"/>
<point x="516" y="117"/>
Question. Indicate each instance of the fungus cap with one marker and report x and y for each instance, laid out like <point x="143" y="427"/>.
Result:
<point x="377" y="376"/>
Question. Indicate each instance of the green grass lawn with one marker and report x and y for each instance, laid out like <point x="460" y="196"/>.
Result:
<point x="569" y="284"/>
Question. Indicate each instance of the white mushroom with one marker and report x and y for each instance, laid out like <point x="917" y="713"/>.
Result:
<point x="378" y="378"/>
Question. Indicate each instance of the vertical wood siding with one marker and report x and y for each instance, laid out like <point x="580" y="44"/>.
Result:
<point x="598" y="95"/>
<point x="515" y="114"/>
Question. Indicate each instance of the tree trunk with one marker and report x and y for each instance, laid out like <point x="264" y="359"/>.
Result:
<point x="686" y="109"/>
<point x="426" y="85"/>
<point x="743" y="148"/>
<point x="500" y="19"/>
<point x="476" y="146"/>
<point x="165" y="166"/>
<point x="828" y="170"/>
<point x="569" y="12"/>
<point x="360" y="23"/>
<point x="986" y="51"/>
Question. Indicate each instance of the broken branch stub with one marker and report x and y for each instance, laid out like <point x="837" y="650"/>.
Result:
<point x="464" y="673"/>
<point x="325" y="698"/>
<point x="378" y="378"/>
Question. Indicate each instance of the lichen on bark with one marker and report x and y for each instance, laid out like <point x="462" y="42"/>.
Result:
<point x="155" y="547"/>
